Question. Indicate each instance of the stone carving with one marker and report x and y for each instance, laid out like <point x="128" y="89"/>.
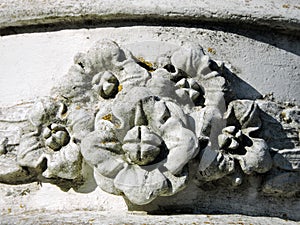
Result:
<point x="51" y="141"/>
<point x="142" y="126"/>
<point x="238" y="145"/>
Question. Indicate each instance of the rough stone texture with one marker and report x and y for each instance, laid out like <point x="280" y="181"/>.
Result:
<point x="44" y="197"/>
<point x="106" y="218"/>
<point x="47" y="204"/>
<point x="215" y="200"/>
<point x="274" y="14"/>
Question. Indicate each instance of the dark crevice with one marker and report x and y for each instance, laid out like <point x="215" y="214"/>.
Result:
<point x="81" y="65"/>
<point x="269" y="31"/>
<point x="123" y="20"/>
<point x="170" y="68"/>
<point x="163" y="154"/>
<point x="145" y="66"/>
<point x="238" y="151"/>
<point x="180" y="75"/>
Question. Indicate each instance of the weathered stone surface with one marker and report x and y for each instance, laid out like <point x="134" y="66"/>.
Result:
<point x="36" y="197"/>
<point x="106" y="218"/>
<point x="282" y="15"/>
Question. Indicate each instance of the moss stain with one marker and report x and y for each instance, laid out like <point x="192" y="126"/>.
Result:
<point x="286" y="6"/>
<point x="211" y="50"/>
<point x="107" y="117"/>
<point x="120" y="88"/>
<point x="147" y="65"/>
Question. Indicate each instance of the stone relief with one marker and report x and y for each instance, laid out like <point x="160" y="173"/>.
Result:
<point x="141" y="125"/>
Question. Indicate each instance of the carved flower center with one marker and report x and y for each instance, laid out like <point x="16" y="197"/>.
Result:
<point x="233" y="141"/>
<point x="56" y="136"/>
<point x="106" y="84"/>
<point x="193" y="89"/>
<point x="141" y="146"/>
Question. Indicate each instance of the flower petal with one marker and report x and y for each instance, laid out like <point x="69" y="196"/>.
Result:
<point x="141" y="186"/>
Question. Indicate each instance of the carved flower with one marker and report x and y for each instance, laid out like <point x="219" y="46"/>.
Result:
<point x="255" y="157"/>
<point x="52" y="142"/>
<point x="238" y="142"/>
<point x="94" y="72"/>
<point x="142" y="147"/>
<point x="145" y="136"/>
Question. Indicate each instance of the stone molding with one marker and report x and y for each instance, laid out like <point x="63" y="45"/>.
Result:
<point x="284" y="16"/>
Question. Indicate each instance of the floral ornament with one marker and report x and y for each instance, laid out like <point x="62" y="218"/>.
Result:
<point x="52" y="141"/>
<point x="141" y="147"/>
<point x="191" y="59"/>
<point x="143" y="127"/>
<point x="146" y="134"/>
<point x="256" y="157"/>
<point x="94" y="73"/>
<point x="148" y="124"/>
<point x="238" y="143"/>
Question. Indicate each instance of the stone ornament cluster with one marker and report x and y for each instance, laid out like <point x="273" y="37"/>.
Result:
<point x="148" y="128"/>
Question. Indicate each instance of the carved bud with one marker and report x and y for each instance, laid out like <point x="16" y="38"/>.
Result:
<point x="105" y="84"/>
<point x="191" y="87"/>
<point x="232" y="140"/>
<point x="56" y="136"/>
